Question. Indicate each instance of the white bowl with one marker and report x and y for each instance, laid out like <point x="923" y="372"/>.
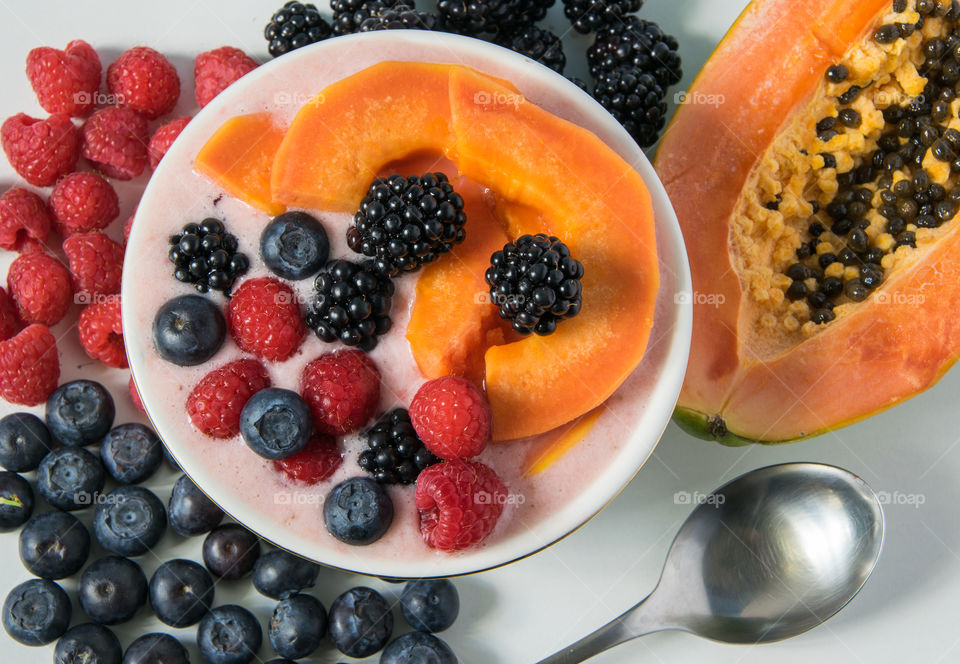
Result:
<point x="639" y="422"/>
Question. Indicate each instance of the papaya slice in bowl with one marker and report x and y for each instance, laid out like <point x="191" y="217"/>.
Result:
<point x="824" y="260"/>
<point x="239" y="157"/>
<point x="584" y="193"/>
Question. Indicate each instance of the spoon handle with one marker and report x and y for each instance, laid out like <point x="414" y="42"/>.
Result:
<point x="633" y="622"/>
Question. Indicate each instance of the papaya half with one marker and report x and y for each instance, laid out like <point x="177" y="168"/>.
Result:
<point x="814" y="170"/>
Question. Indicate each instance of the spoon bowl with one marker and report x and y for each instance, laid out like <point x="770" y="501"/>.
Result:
<point x="767" y="556"/>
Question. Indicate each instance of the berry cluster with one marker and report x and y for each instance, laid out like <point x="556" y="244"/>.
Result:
<point x="205" y="255"/>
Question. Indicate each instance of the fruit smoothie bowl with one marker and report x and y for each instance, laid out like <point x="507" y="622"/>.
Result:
<point x="398" y="400"/>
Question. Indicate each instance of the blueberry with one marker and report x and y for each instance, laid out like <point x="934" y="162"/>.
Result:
<point x="70" y="478"/>
<point x="430" y="605"/>
<point x="297" y="626"/>
<point x="16" y="501"/>
<point x="276" y="423"/>
<point x="112" y="589"/>
<point x="131" y="453"/>
<point x="229" y="634"/>
<point x="358" y="511"/>
<point x="188" y="330"/>
<point x="88" y="643"/>
<point x="279" y="574"/>
<point x="36" y="612"/>
<point x="181" y="592"/>
<point x="281" y="660"/>
<point x="80" y="412"/>
<point x="418" y="648"/>
<point x="190" y="511"/>
<point x="294" y="245"/>
<point x="129" y="521"/>
<point x="156" y="648"/>
<point x="230" y="551"/>
<point x="24" y="441"/>
<point x="360" y="622"/>
<point x="54" y="545"/>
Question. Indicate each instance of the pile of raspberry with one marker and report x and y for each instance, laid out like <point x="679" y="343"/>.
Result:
<point x="61" y="219"/>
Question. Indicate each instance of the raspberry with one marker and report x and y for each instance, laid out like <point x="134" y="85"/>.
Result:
<point x="264" y="319"/>
<point x="41" y="150"/>
<point x="452" y="417"/>
<point x="40" y="285"/>
<point x="215" y="70"/>
<point x="459" y="503"/>
<point x="135" y="396"/>
<point x="9" y="318"/>
<point x="215" y="403"/>
<point x="96" y="263"/>
<point x="115" y="142"/>
<point x="314" y="463"/>
<point x="29" y="366"/>
<point x="144" y="81"/>
<point x="101" y="332"/>
<point x="65" y="81"/>
<point x="162" y="139"/>
<point x="83" y="202"/>
<point x="23" y="216"/>
<point x="342" y="390"/>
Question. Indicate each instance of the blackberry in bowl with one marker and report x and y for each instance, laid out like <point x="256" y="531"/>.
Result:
<point x="406" y="222"/>
<point x="351" y="304"/>
<point x="535" y="283"/>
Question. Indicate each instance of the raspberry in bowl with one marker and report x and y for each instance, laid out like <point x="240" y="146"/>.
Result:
<point x="406" y="353"/>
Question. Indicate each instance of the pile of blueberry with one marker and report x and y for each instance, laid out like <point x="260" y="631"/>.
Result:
<point x="130" y="520"/>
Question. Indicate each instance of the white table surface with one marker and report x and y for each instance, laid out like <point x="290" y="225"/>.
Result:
<point x="909" y="609"/>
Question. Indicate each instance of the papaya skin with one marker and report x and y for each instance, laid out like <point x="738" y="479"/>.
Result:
<point x="891" y="347"/>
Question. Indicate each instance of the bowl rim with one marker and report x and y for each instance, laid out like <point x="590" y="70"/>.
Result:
<point x="670" y="247"/>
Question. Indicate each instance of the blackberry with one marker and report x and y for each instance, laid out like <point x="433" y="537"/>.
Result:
<point x="474" y="17"/>
<point x="535" y="282"/>
<point x="640" y="44"/>
<point x="394" y="453"/>
<point x="591" y="15"/>
<point x="206" y="255"/>
<point x="351" y="304"/>
<point x="349" y="14"/>
<point x="537" y="44"/>
<point x="636" y="100"/>
<point x="405" y="222"/>
<point x="400" y="17"/>
<point x="531" y="11"/>
<point x="294" y="26"/>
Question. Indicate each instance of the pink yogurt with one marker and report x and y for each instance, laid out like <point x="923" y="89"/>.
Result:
<point x="245" y="484"/>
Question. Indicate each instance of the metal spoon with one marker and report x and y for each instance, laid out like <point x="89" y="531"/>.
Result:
<point x="770" y="555"/>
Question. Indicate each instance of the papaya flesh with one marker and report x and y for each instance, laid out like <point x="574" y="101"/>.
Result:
<point x="239" y="157"/>
<point x="340" y="138"/>
<point x="825" y="259"/>
<point x="546" y="172"/>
